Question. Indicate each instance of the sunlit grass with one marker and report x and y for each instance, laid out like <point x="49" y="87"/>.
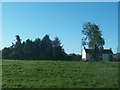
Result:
<point x="59" y="74"/>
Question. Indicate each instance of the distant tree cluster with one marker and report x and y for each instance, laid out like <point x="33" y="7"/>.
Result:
<point x="39" y="49"/>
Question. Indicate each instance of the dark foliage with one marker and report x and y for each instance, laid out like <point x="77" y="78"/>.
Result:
<point x="39" y="49"/>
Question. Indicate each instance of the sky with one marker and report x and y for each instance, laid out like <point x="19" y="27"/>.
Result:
<point x="60" y="0"/>
<point x="0" y="26"/>
<point x="65" y="20"/>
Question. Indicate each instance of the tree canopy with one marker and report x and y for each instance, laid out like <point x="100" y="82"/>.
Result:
<point x="39" y="49"/>
<point x="93" y="39"/>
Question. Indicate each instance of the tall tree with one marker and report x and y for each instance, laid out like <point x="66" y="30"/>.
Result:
<point x="46" y="45"/>
<point x="37" y="48"/>
<point x="18" y="48"/>
<point x="28" y="49"/>
<point x="57" y="49"/>
<point x="56" y="42"/>
<point x="93" y="38"/>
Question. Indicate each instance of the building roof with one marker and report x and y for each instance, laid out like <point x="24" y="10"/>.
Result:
<point x="105" y="51"/>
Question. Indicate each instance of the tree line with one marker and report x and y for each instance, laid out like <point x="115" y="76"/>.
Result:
<point x="39" y="49"/>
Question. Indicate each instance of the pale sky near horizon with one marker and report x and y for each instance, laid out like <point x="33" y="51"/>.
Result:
<point x="62" y="19"/>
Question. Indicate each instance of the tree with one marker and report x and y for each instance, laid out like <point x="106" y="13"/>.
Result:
<point x="5" y="53"/>
<point x="46" y="47"/>
<point x="74" y="57"/>
<point x="93" y="39"/>
<point x="17" y="48"/>
<point x="56" y="42"/>
<point x="37" y="48"/>
<point x="56" y="48"/>
<point x="28" y="49"/>
<point x="58" y="51"/>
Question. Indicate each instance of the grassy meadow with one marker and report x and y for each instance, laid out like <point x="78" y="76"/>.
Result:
<point x="58" y="74"/>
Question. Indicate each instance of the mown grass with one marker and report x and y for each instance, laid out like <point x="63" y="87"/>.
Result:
<point x="58" y="74"/>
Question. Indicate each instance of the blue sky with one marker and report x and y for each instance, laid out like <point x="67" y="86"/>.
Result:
<point x="1" y="40"/>
<point x="64" y="20"/>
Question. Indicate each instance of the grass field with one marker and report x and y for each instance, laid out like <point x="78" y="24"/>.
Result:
<point x="58" y="74"/>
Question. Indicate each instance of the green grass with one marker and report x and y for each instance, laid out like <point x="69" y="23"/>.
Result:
<point x="58" y="74"/>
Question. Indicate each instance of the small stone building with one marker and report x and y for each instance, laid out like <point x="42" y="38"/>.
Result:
<point x="107" y="54"/>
